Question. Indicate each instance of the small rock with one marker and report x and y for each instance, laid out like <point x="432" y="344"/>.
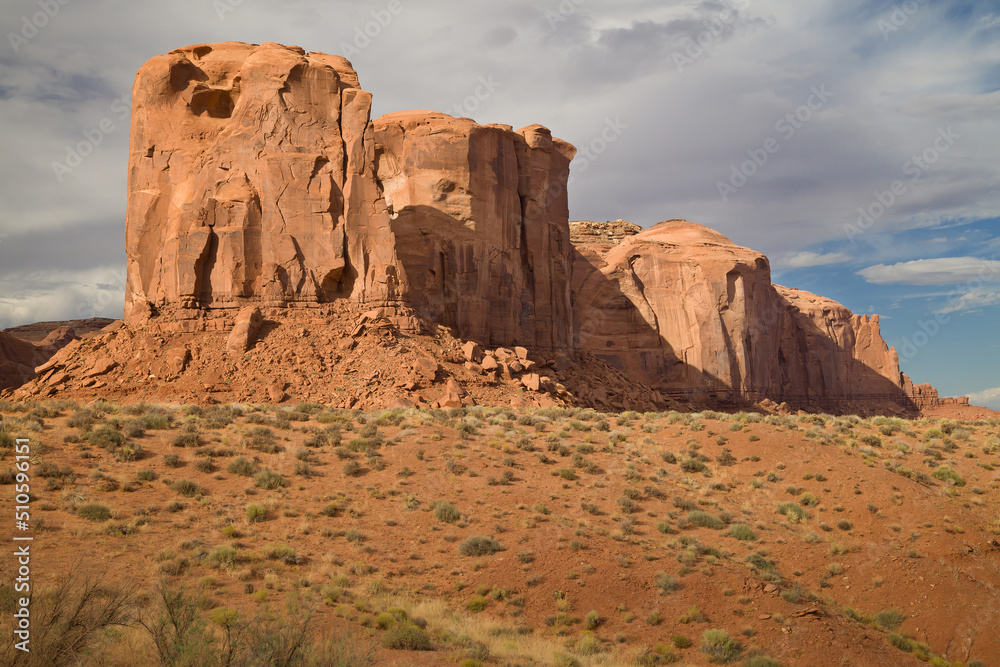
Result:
<point x="346" y="344"/>
<point x="532" y="381"/>
<point x="472" y="352"/>
<point x="521" y="352"/>
<point x="276" y="393"/>
<point x="452" y="395"/>
<point x="426" y="368"/>
<point x="770" y="588"/>
<point x="490" y="363"/>
<point x="245" y="331"/>
<point x="474" y="367"/>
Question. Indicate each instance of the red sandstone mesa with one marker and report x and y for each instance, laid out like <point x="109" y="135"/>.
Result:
<point x="258" y="184"/>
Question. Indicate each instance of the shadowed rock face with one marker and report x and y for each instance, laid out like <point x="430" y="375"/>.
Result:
<point x="685" y="309"/>
<point x="481" y="220"/>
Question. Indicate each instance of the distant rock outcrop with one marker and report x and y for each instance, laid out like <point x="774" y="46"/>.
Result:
<point x="693" y="314"/>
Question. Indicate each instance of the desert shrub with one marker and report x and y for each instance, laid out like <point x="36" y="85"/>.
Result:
<point x="187" y="488"/>
<point x="134" y="428"/>
<point x="407" y="637"/>
<point x="242" y="466"/>
<point x="224" y="556"/>
<point x="705" y="520"/>
<point x="72" y="620"/>
<point x="352" y="468"/>
<point x="172" y="461"/>
<point x="105" y="438"/>
<point x="187" y="439"/>
<point x="666" y="582"/>
<point x="146" y="475"/>
<point x="793" y="511"/>
<point x="262" y="439"/>
<point x="946" y="474"/>
<point x="445" y="511"/>
<point x="693" y="465"/>
<point x="742" y="531"/>
<point x="206" y="465"/>
<point x="871" y="440"/>
<point x="93" y="512"/>
<point x="269" y="480"/>
<point x="255" y="513"/>
<point x="479" y="545"/>
<point x="719" y="646"/>
<point x="760" y="660"/>
<point x="680" y="641"/>
<point x="808" y="500"/>
<point x="157" y="420"/>
<point x="890" y="619"/>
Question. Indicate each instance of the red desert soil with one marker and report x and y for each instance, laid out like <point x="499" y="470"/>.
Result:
<point x="807" y="539"/>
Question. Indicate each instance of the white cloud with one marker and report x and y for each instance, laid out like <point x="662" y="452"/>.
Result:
<point x="972" y="300"/>
<point x="988" y="398"/>
<point x="62" y="295"/>
<point x="939" y="271"/>
<point x="805" y="259"/>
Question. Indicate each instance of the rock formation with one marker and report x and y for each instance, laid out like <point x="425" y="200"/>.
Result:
<point x="693" y="314"/>
<point x="480" y="216"/>
<point x="258" y="183"/>
<point x="19" y="358"/>
<point x="256" y="178"/>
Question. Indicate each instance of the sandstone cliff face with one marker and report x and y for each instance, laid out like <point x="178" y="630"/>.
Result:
<point x="480" y="216"/>
<point x="19" y="358"/>
<point x="685" y="309"/>
<point x="250" y="180"/>
<point x="257" y="178"/>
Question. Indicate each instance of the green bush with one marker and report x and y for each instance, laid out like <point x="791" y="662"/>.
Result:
<point x="719" y="646"/>
<point x="890" y="619"/>
<point x="242" y="466"/>
<point x="262" y="439"/>
<point x="946" y="474"/>
<point x="793" y="511"/>
<point x="742" y="531"/>
<point x="479" y="545"/>
<point x="256" y="513"/>
<point x="445" y="511"/>
<point x="269" y="480"/>
<point x="93" y="512"/>
<point x="693" y="465"/>
<point x="187" y="488"/>
<point x="705" y="520"/>
<point x="106" y="438"/>
<point x="666" y="582"/>
<point x="407" y="637"/>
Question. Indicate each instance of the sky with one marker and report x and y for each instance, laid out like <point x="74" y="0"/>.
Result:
<point x="854" y="142"/>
